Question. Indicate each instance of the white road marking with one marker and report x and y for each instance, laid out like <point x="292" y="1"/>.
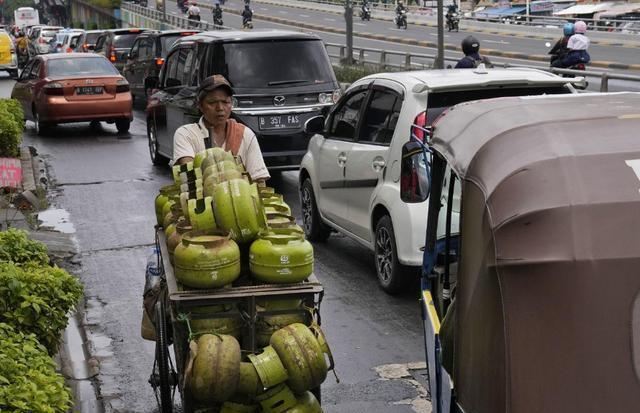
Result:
<point x="496" y="41"/>
<point x="397" y="30"/>
<point x="329" y="19"/>
<point x="283" y="12"/>
<point x="263" y="9"/>
<point x="306" y="16"/>
<point x="359" y="24"/>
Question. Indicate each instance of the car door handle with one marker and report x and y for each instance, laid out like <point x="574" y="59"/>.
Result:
<point x="377" y="164"/>
<point x="342" y="159"/>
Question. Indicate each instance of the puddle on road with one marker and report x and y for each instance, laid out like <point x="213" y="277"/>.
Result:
<point x="57" y="220"/>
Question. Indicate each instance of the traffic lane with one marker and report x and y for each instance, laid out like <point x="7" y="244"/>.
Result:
<point x="594" y="82"/>
<point x="500" y="42"/>
<point x="108" y="185"/>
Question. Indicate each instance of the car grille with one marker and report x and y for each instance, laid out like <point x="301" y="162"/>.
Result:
<point x="245" y="101"/>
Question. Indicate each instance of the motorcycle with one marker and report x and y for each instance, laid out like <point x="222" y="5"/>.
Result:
<point x="365" y="13"/>
<point x="218" y="21"/>
<point x="247" y="24"/>
<point x="453" y="21"/>
<point x="401" y="20"/>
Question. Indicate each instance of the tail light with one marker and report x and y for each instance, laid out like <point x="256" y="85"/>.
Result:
<point x="41" y="40"/>
<point x="419" y="125"/>
<point x="122" y="86"/>
<point x="112" y="54"/>
<point x="159" y="61"/>
<point x="69" y="50"/>
<point x="85" y="47"/>
<point x="53" y="89"/>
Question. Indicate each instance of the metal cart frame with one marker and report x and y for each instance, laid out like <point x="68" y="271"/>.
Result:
<point x="173" y="310"/>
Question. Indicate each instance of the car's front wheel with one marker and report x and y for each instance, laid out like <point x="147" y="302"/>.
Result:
<point x="314" y="228"/>
<point x="152" y="137"/>
<point x="123" y="125"/>
<point x="393" y="276"/>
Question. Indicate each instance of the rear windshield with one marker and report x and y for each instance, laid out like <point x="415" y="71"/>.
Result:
<point x="439" y="102"/>
<point x="78" y="67"/>
<point x="125" y="41"/>
<point x="91" y="38"/>
<point x="49" y="34"/>
<point x="278" y="64"/>
<point x="166" y="42"/>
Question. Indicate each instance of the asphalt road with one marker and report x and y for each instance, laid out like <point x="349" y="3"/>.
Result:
<point x="107" y="184"/>
<point x="501" y="42"/>
<point x="235" y="21"/>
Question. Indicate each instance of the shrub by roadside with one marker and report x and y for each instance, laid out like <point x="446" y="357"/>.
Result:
<point x="11" y="127"/>
<point x="28" y="380"/>
<point x="17" y="248"/>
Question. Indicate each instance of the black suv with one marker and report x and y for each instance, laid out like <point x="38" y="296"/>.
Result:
<point x="147" y="56"/>
<point x="280" y="78"/>
<point x="115" y="45"/>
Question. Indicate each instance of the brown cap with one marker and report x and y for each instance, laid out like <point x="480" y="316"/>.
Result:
<point x="214" y="82"/>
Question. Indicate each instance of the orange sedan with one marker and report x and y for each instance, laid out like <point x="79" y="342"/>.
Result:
<point x="73" y="87"/>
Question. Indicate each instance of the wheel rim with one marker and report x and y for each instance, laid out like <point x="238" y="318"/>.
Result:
<point x="153" y="144"/>
<point x="384" y="254"/>
<point x="307" y="210"/>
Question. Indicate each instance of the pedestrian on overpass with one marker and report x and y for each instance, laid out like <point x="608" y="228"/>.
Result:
<point x="472" y="57"/>
<point x="216" y="129"/>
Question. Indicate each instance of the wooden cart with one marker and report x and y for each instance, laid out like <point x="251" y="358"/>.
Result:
<point x="173" y="312"/>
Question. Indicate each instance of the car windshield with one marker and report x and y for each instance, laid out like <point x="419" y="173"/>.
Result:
<point x="91" y="38"/>
<point x="276" y="63"/>
<point x="85" y="66"/>
<point x="48" y="34"/>
<point x="124" y="41"/>
<point x="166" y="43"/>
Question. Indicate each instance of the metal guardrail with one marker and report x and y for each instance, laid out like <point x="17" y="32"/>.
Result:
<point x="403" y="60"/>
<point x="418" y="61"/>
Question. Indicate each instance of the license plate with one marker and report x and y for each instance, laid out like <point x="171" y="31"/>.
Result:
<point x="89" y="90"/>
<point x="279" y="122"/>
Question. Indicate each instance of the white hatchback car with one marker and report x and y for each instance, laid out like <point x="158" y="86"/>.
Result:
<point x="350" y="176"/>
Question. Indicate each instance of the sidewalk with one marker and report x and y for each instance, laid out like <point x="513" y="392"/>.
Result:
<point x="72" y="359"/>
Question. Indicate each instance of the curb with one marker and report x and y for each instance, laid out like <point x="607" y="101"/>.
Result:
<point x="425" y="43"/>
<point x="473" y="30"/>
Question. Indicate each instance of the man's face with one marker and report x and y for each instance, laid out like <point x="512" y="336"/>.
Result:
<point x="216" y="107"/>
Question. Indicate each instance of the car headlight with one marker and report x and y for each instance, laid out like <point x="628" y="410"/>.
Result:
<point x="234" y="102"/>
<point x="324" y="98"/>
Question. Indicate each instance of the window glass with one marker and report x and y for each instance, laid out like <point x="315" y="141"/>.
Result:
<point x="100" y="43"/>
<point x="27" y="70"/>
<point x="135" y="50"/>
<point x="380" y="117"/>
<point x="75" y="40"/>
<point x="145" y="49"/>
<point x="80" y="66"/>
<point x="124" y="41"/>
<point x="170" y="70"/>
<point x="91" y="38"/>
<point x="184" y="64"/>
<point x="166" y="42"/>
<point x="35" y="70"/>
<point x="345" y="119"/>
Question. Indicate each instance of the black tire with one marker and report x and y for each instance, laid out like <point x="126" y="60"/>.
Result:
<point x="152" y="139"/>
<point x="123" y="125"/>
<point x="42" y="128"/>
<point x="162" y="359"/>
<point x="314" y="228"/>
<point x="392" y="276"/>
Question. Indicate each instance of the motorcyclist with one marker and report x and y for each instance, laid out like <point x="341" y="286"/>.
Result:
<point x="193" y="14"/>
<point x="578" y="44"/>
<point x="560" y="49"/>
<point x="472" y="57"/>
<point x="452" y="10"/>
<point x="247" y="15"/>
<point x="400" y="8"/>
<point x="217" y="15"/>
<point x="365" y="10"/>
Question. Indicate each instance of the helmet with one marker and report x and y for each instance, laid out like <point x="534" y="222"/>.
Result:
<point x="567" y="29"/>
<point x="470" y="45"/>
<point x="580" y="27"/>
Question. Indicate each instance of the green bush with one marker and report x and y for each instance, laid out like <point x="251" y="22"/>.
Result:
<point x="93" y="26"/>
<point x="17" y="248"/>
<point x="36" y="300"/>
<point x="10" y="133"/>
<point x="28" y="379"/>
<point x="14" y="107"/>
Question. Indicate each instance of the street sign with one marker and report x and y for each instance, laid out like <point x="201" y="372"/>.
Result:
<point x="10" y="173"/>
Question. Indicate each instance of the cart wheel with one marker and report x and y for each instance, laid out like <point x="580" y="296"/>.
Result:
<point x="164" y="378"/>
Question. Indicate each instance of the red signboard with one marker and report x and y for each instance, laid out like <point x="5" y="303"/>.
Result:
<point x="10" y="173"/>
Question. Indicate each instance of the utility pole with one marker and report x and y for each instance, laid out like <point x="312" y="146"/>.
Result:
<point x="439" y="62"/>
<point x="348" y="16"/>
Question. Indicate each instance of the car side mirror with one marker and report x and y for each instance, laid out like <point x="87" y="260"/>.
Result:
<point x="314" y="125"/>
<point x="415" y="174"/>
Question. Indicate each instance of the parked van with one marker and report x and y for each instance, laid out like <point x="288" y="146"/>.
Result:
<point x="281" y="79"/>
